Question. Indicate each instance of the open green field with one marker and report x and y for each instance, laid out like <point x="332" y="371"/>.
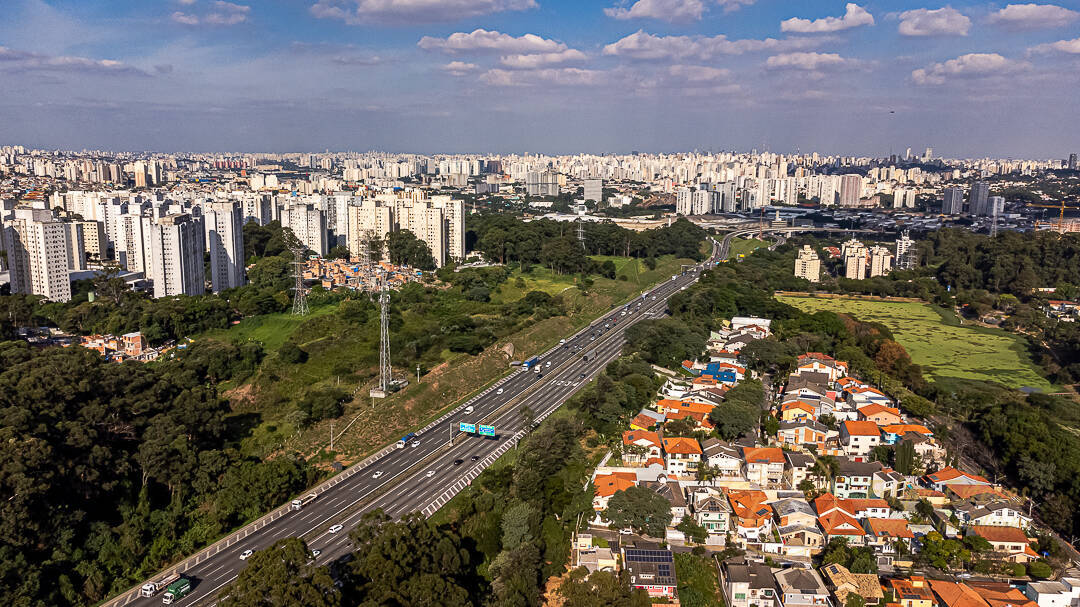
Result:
<point x="271" y="330"/>
<point x="946" y="350"/>
<point x="745" y="246"/>
<point x="637" y="275"/>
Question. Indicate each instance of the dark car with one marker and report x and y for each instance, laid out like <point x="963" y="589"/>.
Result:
<point x="458" y="462"/>
<point x="475" y="458"/>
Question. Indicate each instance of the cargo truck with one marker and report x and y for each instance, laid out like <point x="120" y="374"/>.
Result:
<point x="401" y="444"/>
<point x="149" y="589"/>
<point x="532" y="362"/>
<point x="303" y="501"/>
<point x="176" y="591"/>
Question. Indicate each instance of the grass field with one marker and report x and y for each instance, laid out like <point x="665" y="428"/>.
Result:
<point x="745" y="246"/>
<point x="946" y="350"/>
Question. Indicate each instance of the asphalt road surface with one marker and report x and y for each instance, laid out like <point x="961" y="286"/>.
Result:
<point x="414" y="478"/>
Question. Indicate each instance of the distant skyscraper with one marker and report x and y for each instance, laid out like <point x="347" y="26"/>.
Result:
<point x="928" y="155"/>
<point x="38" y="254"/>
<point x="224" y="227"/>
<point x="980" y="195"/>
<point x="175" y="263"/>
<point x="807" y="264"/>
<point x="903" y="198"/>
<point x="953" y="203"/>
<point x="1072" y="162"/>
<point x="684" y="201"/>
<point x="881" y="261"/>
<point x="906" y="253"/>
<point x="855" y="260"/>
<point x="594" y="190"/>
<point x="850" y="190"/>
<point x="308" y="224"/>
<point x="995" y="206"/>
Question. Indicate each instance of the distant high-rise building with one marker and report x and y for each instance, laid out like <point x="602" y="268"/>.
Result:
<point x="308" y="224"/>
<point x="928" y="155"/>
<point x="850" y="190"/>
<point x="93" y="239"/>
<point x="594" y="190"/>
<point x="906" y="253"/>
<point x="881" y="261"/>
<point x="855" y="261"/>
<point x="995" y="206"/>
<point x="980" y="195"/>
<point x="38" y="254"/>
<point x="807" y="264"/>
<point x="684" y="201"/>
<point x="1072" y="162"/>
<point x="903" y="198"/>
<point x="953" y="203"/>
<point x="907" y="154"/>
<point x="175" y="263"/>
<point x="704" y="202"/>
<point x="225" y="243"/>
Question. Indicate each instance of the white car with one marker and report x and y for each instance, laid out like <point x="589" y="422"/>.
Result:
<point x="377" y="474"/>
<point x="562" y="341"/>
<point x="499" y="391"/>
<point x="415" y="443"/>
<point x="245" y="554"/>
<point x="469" y="410"/>
<point x="548" y="364"/>
<point x="315" y="553"/>
<point x="336" y="528"/>
<point x="430" y="473"/>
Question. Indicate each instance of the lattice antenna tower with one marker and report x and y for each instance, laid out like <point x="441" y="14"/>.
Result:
<point x="385" y="371"/>
<point x="581" y="232"/>
<point x="993" y="226"/>
<point x="300" y="304"/>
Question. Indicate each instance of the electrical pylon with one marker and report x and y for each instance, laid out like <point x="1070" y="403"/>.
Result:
<point x="300" y="305"/>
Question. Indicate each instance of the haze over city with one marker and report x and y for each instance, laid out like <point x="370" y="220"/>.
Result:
<point x="972" y="79"/>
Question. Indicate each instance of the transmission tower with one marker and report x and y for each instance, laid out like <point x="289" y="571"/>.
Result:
<point x="300" y="305"/>
<point x="581" y="232"/>
<point x="385" y="372"/>
<point x="993" y="226"/>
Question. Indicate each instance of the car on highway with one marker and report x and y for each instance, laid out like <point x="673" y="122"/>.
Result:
<point x="582" y="376"/>
<point x="245" y="554"/>
<point x="592" y="338"/>
<point x="430" y="473"/>
<point x="458" y="462"/>
<point x="415" y="443"/>
<point x="378" y="474"/>
<point x="475" y="458"/>
<point x="335" y="528"/>
<point x="499" y="391"/>
<point x="562" y="341"/>
<point x="315" y="553"/>
<point x="548" y="364"/>
<point x="469" y="410"/>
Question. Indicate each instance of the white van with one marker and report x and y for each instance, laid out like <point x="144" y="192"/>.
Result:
<point x="469" y="410"/>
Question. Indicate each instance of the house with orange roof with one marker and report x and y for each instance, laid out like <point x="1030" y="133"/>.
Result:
<point x="751" y="514"/>
<point x="840" y="524"/>
<point x="802" y="433"/>
<point x="949" y="476"/>
<point x="952" y="594"/>
<point x="764" y="465"/>
<point x="855" y="508"/>
<point x="644" y="421"/>
<point x="935" y="497"/>
<point x="699" y="419"/>
<point x="859" y="438"/>
<point x="881" y="415"/>
<point x="608" y="484"/>
<point x="682" y="455"/>
<point x="640" y="445"/>
<point x="1000" y="594"/>
<point x="796" y="410"/>
<point x="883" y="534"/>
<point x="912" y="592"/>
<point x="816" y="362"/>
<point x="891" y="434"/>
<point x="967" y="492"/>
<point x="849" y="382"/>
<point x="1010" y="543"/>
<point x="668" y="406"/>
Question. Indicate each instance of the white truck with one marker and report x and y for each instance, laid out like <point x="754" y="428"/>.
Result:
<point x="149" y="589"/>
<point x="299" y="503"/>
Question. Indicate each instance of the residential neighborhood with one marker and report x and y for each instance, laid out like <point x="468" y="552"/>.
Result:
<point x="837" y="492"/>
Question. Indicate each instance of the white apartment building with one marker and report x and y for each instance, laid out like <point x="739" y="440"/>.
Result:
<point x="307" y="223"/>
<point x="175" y="263"/>
<point x="225" y="243"/>
<point x="38" y="254"/>
<point x="807" y="264"/>
<point x="855" y="254"/>
<point x="881" y="261"/>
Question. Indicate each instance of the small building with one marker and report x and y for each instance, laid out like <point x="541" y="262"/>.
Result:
<point x="802" y="588"/>
<point x="651" y="570"/>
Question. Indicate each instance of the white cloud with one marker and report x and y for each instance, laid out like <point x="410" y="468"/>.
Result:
<point x="565" y="76"/>
<point x="539" y="60"/>
<point x="185" y="2"/>
<point x="806" y="61"/>
<point x="1033" y="16"/>
<point x="699" y="73"/>
<point x="854" y="16"/>
<point x="221" y="13"/>
<point x="490" y="41"/>
<point x="966" y="66"/>
<point x="939" y="22"/>
<point x="413" y="11"/>
<point x="642" y="45"/>
<point x="15" y="60"/>
<point x="1061" y="46"/>
<point x="664" y="10"/>
<point x="459" y="68"/>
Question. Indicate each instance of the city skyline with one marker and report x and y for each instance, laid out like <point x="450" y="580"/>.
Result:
<point x="971" y="79"/>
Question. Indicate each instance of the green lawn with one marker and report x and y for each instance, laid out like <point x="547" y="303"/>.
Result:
<point x="745" y="246"/>
<point x="269" y="329"/>
<point x="946" y="350"/>
<point x="638" y="276"/>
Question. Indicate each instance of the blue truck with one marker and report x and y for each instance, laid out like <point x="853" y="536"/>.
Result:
<point x="532" y="362"/>
<point x="401" y="444"/>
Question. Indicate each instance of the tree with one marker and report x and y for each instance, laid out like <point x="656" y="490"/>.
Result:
<point x="292" y="353"/>
<point x="1039" y="569"/>
<point x="281" y="576"/>
<point x="640" y="509"/>
<point x="338" y="252"/>
<point x="855" y="600"/>
<point x="108" y="283"/>
<point x="406" y="249"/>
<point x="601" y="589"/>
<point x="693" y="531"/>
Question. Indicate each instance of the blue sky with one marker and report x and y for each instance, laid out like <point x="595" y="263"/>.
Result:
<point x="551" y="76"/>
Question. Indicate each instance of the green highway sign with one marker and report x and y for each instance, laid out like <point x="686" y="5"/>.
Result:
<point x="487" y="430"/>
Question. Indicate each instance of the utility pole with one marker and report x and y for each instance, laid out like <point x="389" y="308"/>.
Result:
<point x="331" y="435"/>
<point x="417" y="372"/>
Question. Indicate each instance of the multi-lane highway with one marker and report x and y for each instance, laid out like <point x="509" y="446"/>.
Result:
<point x="425" y="476"/>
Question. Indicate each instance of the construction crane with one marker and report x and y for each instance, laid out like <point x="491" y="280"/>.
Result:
<point x="1060" y="226"/>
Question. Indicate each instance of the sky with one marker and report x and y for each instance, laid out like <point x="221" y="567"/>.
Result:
<point x="970" y="79"/>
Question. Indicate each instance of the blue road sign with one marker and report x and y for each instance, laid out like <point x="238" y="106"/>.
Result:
<point x="487" y="430"/>
<point x="470" y="428"/>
